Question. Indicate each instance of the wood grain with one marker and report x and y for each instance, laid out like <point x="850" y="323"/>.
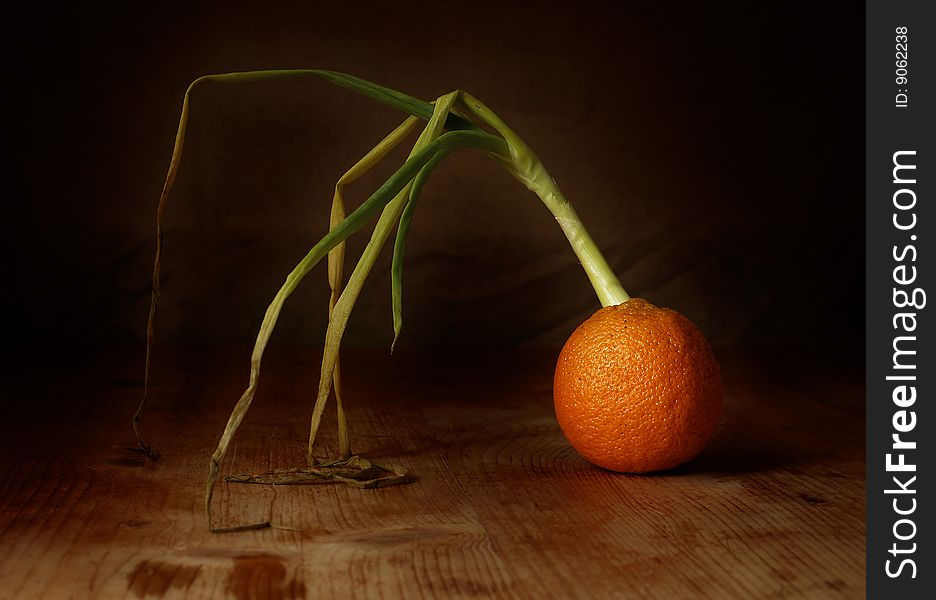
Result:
<point x="500" y="506"/>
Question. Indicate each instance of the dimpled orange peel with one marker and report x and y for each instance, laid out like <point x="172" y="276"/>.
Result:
<point x="637" y="388"/>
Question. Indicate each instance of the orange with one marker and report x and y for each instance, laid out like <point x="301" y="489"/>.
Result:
<point x="637" y="388"/>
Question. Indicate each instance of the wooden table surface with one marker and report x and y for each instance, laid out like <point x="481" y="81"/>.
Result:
<point x="499" y="505"/>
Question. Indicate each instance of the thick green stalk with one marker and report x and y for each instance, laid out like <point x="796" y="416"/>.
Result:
<point x="525" y="166"/>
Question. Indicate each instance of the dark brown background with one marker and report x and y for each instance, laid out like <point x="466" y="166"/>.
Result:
<point x="714" y="153"/>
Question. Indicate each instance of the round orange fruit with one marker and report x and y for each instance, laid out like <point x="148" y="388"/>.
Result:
<point x="637" y="388"/>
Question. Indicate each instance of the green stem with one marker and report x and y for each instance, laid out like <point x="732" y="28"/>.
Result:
<point x="525" y="166"/>
<point x="605" y="283"/>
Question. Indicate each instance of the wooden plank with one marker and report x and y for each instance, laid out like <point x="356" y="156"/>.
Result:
<point x="500" y="505"/>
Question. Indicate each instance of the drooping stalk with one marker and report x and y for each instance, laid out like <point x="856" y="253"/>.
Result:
<point x="336" y="256"/>
<point x="174" y="162"/>
<point x="345" y="304"/>
<point x="525" y="166"/>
